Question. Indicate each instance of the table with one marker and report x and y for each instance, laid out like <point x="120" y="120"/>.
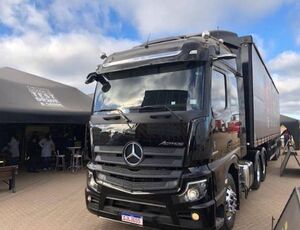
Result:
<point x="73" y="152"/>
<point x="73" y="149"/>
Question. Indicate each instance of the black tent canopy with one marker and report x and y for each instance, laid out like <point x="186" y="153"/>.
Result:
<point x="293" y="125"/>
<point x="27" y="98"/>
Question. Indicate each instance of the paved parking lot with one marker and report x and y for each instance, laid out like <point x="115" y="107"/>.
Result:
<point x="256" y="212"/>
<point x="55" y="200"/>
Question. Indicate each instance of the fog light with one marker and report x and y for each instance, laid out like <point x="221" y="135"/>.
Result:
<point x="193" y="194"/>
<point x="195" y="216"/>
<point x="89" y="198"/>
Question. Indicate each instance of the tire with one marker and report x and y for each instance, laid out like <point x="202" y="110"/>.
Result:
<point x="263" y="164"/>
<point x="230" y="204"/>
<point x="257" y="173"/>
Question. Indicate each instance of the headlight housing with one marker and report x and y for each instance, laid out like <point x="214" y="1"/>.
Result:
<point x="194" y="191"/>
<point x="91" y="183"/>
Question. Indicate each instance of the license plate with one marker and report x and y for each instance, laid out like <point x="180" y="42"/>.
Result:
<point x="132" y="218"/>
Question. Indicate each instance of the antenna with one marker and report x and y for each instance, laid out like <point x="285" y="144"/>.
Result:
<point x="147" y="42"/>
<point x="218" y="29"/>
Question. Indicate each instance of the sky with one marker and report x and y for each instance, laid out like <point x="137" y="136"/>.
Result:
<point x="62" y="40"/>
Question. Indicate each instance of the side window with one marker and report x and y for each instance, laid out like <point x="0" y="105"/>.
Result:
<point x="234" y="103"/>
<point x="218" y="91"/>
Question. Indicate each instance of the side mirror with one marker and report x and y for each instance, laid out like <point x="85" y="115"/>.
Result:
<point x="99" y="78"/>
<point x="106" y="87"/>
<point x="91" y="77"/>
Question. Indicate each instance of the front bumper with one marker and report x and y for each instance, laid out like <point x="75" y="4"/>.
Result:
<point x="158" y="211"/>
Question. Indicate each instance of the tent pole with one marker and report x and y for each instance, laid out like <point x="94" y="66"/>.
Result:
<point x="85" y="141"/>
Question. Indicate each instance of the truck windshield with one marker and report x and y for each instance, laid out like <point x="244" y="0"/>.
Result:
<point x="178" y="89"/>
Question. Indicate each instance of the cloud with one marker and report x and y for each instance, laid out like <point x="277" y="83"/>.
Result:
<point x="22" y="16"/>
<point x="64" y="52"/>
<point x="283" y="82"/>
<point x="90" y="16"/>
<point x="65" y="58"/>
<point x="286" y="74"/>
<point x="172" y="17"/>
<point x="286" y="62"/>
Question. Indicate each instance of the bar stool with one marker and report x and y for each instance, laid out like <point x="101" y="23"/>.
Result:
<point x="60" y="161"/>
<point x="77" y="161"/>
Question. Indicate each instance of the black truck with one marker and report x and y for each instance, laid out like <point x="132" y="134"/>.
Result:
<point x="181" y="128"/>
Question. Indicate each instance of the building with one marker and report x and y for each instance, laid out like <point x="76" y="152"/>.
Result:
<point x="32" y="104"/>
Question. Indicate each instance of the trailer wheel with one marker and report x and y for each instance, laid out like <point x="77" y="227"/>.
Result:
<point x="230" y="203"/>
<point x="263" y="164"/>
<point x="257" y="173"/>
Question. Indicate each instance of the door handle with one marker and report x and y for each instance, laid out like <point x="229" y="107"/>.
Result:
<point x="160" y="116"/>
<point x="112" y="118"/>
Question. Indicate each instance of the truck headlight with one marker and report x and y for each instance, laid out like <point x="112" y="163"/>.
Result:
<point x="192" y="194"/>
<point x="91" y="183"/>
<point x="194" y="191"/>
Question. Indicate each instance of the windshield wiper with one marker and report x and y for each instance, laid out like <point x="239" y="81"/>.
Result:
<point x="158" y="107"/>
<point x="118" y="110"/>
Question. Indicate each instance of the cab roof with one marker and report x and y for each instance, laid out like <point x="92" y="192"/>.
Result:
<point x="173" y="49"/>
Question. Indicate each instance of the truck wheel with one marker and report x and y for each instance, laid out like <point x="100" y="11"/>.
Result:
<point x="257" y="173"/>
<point x="230" y="204"/>
<point x="263" y="165"/>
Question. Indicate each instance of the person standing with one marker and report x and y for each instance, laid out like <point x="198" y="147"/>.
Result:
<point x="34" y="154"/>
<point x="13" y="148"/>
<point x="286" y="137"/>
<point x="47" y="146"/>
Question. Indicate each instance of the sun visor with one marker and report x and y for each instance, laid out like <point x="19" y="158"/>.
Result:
<point x="156" y="54"/>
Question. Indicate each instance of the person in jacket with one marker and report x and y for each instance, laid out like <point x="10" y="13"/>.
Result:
<point x="286" y="136"/>
<point x="47" y="146"/>
<point x="34" y="154"/>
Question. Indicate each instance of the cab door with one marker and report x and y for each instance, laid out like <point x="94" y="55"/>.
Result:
<point x="221" y="114"/>
<point x="223" y="130"/>
<point x="234" y="125"/>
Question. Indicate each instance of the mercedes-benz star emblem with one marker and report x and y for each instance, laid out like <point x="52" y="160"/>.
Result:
<point x="133" y="153"/>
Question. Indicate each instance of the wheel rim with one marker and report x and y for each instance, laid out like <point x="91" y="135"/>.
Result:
<point x="231" y="203"/>
<point x="263" y="166"/>
<point x="258" y="172"/>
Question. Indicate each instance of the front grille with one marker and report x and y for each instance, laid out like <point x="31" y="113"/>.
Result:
<point x="160" y="169"/>
<point x="136" y="206"/>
